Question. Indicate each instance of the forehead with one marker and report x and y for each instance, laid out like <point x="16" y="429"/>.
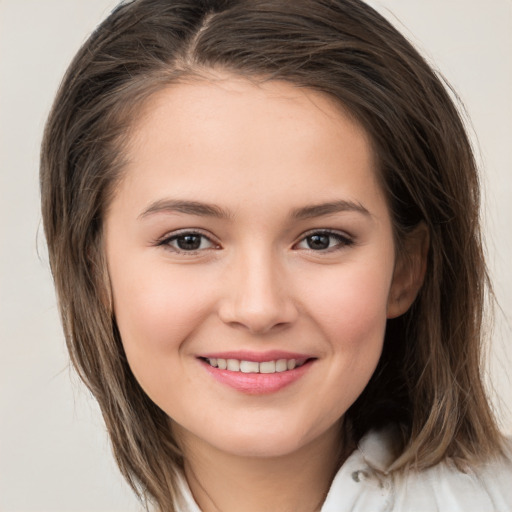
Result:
<point x="244" y="106"/>
<point x="227" y="138"/>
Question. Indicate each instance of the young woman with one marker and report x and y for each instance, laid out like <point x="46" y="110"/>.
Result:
<point x="262" y="219"/>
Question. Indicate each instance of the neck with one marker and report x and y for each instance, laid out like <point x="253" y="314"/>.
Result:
<point x="296" y="482"/>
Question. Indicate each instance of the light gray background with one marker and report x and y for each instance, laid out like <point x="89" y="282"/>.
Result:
<point x="54" y="454"/>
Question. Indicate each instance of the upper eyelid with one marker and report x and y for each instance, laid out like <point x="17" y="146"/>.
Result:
<point x="187" y="231"/>
<point x="326" y="231"/>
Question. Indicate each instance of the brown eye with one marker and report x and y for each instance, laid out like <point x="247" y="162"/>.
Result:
<point x="188" y="242"/>
<point x="324" y="241"/>
<point x="318" y="242"/>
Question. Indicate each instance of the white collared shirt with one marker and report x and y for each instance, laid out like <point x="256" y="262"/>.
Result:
<point x="363" y="484"/>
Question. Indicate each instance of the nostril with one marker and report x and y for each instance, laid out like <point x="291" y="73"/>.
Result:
<point x="257" y="322"/>
<point x="258" y="306"/>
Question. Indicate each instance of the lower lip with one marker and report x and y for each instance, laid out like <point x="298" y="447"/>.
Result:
<point x="258" y="383"/>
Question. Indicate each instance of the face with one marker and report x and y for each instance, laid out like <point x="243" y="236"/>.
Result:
<point x="251" y="257"/>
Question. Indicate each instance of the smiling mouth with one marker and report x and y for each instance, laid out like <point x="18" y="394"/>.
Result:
<point x="257" y="374"/>
<point x="266" y="367"/>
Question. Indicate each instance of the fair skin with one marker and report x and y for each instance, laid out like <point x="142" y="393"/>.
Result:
<point x="250" y="225"/>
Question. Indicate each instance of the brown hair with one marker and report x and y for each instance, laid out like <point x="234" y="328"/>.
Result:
<point x="429" y="377"/>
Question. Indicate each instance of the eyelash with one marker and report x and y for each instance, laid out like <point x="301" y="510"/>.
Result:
<point x="343" y="241"/>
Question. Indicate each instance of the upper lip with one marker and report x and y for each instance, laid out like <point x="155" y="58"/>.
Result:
<point x="258" y="357"/>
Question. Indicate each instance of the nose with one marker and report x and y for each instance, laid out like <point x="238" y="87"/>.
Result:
<point x="258" y="296"/>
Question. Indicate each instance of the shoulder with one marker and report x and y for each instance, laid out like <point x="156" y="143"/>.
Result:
<point x="485" y="488"/>
<point x="363" y="483"/>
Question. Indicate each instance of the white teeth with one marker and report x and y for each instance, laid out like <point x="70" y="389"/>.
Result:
<point x="235" y="365"/>
<point x="281" y="365"/>
<point x="250" y="367"/>
<point x="268" y="367"/>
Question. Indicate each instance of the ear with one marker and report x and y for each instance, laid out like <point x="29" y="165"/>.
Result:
<point x="409" y="273"/>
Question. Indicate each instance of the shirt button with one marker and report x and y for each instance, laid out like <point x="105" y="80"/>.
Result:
<point x="359" y="476"/>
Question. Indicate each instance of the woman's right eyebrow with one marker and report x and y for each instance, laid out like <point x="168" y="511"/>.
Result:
<point x="187" y="207"/>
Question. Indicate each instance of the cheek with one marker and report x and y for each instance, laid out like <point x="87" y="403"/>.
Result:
<point x="351" y="306"/>
<point x="348" y="307"/>
<point x="157" y="309"/>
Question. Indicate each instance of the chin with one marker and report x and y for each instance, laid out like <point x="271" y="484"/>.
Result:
<point x="257" y="446"/>
<point x="265" y="440"/>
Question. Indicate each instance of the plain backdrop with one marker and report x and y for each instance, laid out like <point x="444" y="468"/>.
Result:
<point x="54" y="453"/>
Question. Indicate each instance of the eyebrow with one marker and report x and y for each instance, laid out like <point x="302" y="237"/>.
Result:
<point x="187" y="207"/>
<point x="211" y="210"/>
<point x="318" y="210"/>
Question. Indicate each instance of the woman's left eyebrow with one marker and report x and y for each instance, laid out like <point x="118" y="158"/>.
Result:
<point x="318" y="210"/>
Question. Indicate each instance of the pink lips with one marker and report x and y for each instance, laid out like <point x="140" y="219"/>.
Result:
<point x="257" y="383"/>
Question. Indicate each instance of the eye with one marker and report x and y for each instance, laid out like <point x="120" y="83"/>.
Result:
<point x="188" y="241"/>
<point x="324" y="241"/>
